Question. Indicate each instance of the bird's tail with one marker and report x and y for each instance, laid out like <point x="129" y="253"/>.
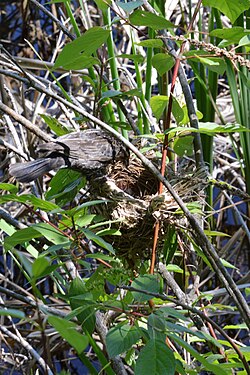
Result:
<point x="31" y="170"/>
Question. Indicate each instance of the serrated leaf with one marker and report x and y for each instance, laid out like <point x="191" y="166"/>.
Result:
<point x="155" y="359"/>
<point x="231" y="8"/>
<point x="121" y="338"/>
<point x="68" y="330"/>
<point x="144" y="18"/>
<point x="162" y="62"/>
<point x="150" y="283"/>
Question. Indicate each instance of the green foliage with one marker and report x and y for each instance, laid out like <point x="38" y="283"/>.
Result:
<point x="143" y="18"/>
<point x="121" y="338"/>
<point x="61" y="239"/>
<point x="230" y="8"/>
<point x="155" y="358"/>
<point x="68" y="330"/>
<point x="77" y="54"/>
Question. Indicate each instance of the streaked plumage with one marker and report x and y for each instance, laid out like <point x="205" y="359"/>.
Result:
<point x="86" y="151"/>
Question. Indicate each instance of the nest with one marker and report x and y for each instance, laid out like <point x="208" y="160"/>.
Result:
<point x="134" y="205"/>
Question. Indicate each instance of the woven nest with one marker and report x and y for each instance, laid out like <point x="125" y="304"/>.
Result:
<point x="134" y="204"/>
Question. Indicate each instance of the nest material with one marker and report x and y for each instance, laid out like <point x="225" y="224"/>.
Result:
<point x="134" y="203"/>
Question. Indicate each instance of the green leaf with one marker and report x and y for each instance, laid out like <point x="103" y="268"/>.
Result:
<point x="155" y="359"/>
<point x="134" y="92"/>
<point x="121" y="338"/>
<point x="98" y="240"/>
<point x="52" y="234"/>
<point x="42" y="267"/>
<point x="162" y="62"/>
<point x="151" y="43"/>
<point x="110" y="94"/>
<point x="215" y="64"/>
<point x="29" y="199"/>
<point x="236" y="326"/>
<point x="212" y="128"/>
<point x="158" y="104"/>
<point x="231" y="8"/>
<point x="215" y="369"/>
<point x="150" y="283"/>
<point x="157" y="327"/>
<point x="12" y="312"/>
<point x="120" y="124"/>
<point x="138" y="58"/>
<point x="174" y="268"/>
<point x="25" y="262"/>
<point x="9" y="187"/>
<point x="215" y="233"/>
<point x="227" y="264"/>
<point x="103" y="4"/>
<point x="130" y="5"/>
<point x="245" y="41"/>
<point x="170" y="244"/>
<point x="184" y="145"/>
<point x="20" y="237"/>
<point x="6" y="227"/>
<point x="77" y="54"/>
<point x="82" y="207"/>
<point x="231" y="35"/>
<point x="109" y="232"/>
<point x="84" y="304"/>
<point x="177" y="111"/>
<point x="65" y="185"/>
<point x="143" y="18"/>
<point x="68" y="330"/>
<point x="55" y="125"/>
<point x="209" y="128"/>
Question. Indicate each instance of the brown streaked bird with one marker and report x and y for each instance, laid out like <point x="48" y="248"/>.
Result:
<point x="89" y="151"/>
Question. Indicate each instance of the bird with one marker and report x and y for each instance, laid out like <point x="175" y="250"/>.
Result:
<point x="89" y="151"/>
